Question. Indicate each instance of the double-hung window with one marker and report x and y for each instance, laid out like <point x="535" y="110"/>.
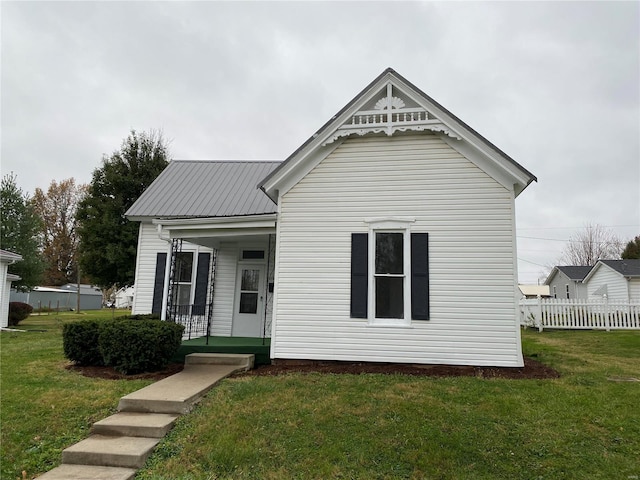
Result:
<point x="389" y="274"/>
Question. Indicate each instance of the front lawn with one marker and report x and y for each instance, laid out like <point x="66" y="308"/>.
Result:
<point x="585" y="424"/>
<point x="44" y="408"/>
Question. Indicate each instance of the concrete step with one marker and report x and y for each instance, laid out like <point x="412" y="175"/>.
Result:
<point x="110" y="451"/>
<point x="245" y="360"/>
<point x="134" y="424"/>
<point x="177" y="393"/>
<point x="88" y="472"/>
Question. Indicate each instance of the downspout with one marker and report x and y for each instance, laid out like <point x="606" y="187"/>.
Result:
<point x="165" y="285"/>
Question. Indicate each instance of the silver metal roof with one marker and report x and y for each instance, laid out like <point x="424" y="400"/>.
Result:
<point x="191" y="189"/>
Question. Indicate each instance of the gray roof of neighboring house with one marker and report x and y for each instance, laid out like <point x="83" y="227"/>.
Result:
<point x="576" y="273"/>
<point x="192" y="189"/>
<point x="628" y="268"/>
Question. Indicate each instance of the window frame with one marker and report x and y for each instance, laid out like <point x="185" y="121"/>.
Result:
<point x="180" y="285"/>
<point x="389" y="225"/>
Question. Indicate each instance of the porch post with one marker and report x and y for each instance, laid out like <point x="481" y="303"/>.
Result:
<point x="165" y="286"/>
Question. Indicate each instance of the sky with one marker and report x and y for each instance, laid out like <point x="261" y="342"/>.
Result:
<point x="555" y="85"/>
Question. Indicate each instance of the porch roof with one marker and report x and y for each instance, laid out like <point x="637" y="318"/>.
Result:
<point x="205" y="189"/>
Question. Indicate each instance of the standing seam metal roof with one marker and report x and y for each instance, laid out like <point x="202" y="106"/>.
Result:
<point x="200" y="189"/>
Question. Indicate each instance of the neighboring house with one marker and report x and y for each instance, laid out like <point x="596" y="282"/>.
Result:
<point x="619" y="280"/>
<point x="61" y="298"/>
<point x="388" y="236"/>
<point x="567" y="281"/>
<point x="6" y="258"/>
<point x="124" y="297"/>
<point x="534" y="291"/>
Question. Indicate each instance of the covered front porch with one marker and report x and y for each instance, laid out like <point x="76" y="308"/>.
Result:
<point x="219" y="283"/>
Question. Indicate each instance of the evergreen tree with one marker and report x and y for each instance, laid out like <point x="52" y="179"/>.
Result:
<point x="108" y="240"/>
<point x="19" y="230"/>
<point x="632" y="250"/>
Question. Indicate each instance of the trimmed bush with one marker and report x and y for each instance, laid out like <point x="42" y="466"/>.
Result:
<point x="140" y="345"/>
<point x="18" y="311"/>
<point x="80" y="342"/>
<point x="140" y="316"/>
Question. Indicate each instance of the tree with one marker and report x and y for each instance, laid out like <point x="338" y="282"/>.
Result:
<point x="59" y="237"/>
<point x="19" y="229"/>
<point x="632" y="250"/>
<point x="590" y="245"/>
<point x="108" y="240"/>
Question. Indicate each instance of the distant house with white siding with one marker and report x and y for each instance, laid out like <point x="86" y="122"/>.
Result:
<point x="388" y="236"/>
<point x="567" y="281"/>
<point x="619" y="280"/>
<point x="6" y="258"/>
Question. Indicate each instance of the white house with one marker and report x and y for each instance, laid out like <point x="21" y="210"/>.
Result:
<point x="388" y="236"/>
<point x="6" y="259"/>
<point x="567" y="281"/>
<point x="619" y="280"/>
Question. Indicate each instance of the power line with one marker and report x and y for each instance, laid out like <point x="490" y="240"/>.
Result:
<point x="532" y="263"/>
<point x="567" y="241"/>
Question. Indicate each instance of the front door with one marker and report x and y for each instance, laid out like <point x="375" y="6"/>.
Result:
<point x="249" y="303"/>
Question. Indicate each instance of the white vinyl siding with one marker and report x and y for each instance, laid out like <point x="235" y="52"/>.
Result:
<point x="225" y="285"/>
<point x="617" y="285"/>
<point x="634" y="289"/>
<point x="149" y="245"/>
<point x="469" y="218"/>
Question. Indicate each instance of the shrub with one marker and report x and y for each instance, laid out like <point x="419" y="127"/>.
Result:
<point x="139" y="346"/>
<point x="140" y="316"/>
<point x="18" y="311"/>
<point x="80" y="342"/>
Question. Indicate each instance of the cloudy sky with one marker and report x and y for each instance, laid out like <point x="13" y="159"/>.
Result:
<point x="554" y="85"/>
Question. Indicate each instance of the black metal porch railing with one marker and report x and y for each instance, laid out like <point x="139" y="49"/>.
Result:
<point x="195" y="318"/>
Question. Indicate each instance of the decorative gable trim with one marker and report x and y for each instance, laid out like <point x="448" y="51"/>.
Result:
<point x="389" y="115"/>
<point x="410" y="110"/>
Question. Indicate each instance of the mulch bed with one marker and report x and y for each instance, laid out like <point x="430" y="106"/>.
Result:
<point x="532" y="370"/>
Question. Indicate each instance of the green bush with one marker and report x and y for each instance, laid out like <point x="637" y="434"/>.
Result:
<point x="140" y="345"/>
<point x="18" y="311"/>
<point x="140" y="316"/>
<point x="80" y="341"/>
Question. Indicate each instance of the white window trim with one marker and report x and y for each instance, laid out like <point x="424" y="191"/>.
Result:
<point x="389" y="225"/>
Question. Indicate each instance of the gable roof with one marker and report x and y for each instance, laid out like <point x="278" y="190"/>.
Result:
<point x="353" y="119"/>
<point x="9" y="257"/>
<point x="201" y="189"/>
<point x="575" y="273"/>
<point x="629" y="268"/>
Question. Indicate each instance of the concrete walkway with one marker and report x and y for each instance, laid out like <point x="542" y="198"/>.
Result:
<point x="120" y="444"/>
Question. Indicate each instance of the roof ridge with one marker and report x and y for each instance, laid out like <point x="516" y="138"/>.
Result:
<point x="226" y="161"/>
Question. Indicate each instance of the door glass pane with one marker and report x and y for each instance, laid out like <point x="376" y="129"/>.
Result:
<point x="182" y="294"/>
<point x="389" y="297"/>
<point x="389" y="253"/>
<point x="248" y="303"/>
<point x="250" y="280"/>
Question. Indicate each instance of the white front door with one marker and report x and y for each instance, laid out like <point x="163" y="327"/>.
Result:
<point x="249" y="303"/>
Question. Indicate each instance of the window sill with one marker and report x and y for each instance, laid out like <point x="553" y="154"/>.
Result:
<point x="382" y="323"/>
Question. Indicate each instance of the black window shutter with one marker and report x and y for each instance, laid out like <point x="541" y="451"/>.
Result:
<point x="420" y="276"/>
<point x="359" y="274"/>
<point x="202" y="279"/>
<point x="158" y="284"/>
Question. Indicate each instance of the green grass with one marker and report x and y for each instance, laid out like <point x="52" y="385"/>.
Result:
<point x="579" y="426"/>
<point x="44" y="408"/>
<point x="582" y="425"/>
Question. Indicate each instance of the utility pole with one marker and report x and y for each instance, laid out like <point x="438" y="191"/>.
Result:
<point x="78" y="295"/>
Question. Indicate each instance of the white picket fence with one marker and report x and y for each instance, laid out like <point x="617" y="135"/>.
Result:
<point x="583" y="314"/>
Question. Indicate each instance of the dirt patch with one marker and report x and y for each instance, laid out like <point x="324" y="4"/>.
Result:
<point x="108" y="373"/>
<point x="532" y="369"/>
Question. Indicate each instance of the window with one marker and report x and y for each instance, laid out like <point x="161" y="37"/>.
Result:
<point x="389" y="274"/>
<point x="555" y="292"/>
<point x="567" y="290"/>
<point x="253" y="254"/>
<point x="183" y="273"/>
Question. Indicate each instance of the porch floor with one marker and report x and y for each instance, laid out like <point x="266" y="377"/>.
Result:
<point x="260" y="347"/>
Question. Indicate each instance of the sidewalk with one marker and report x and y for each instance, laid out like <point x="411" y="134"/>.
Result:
<point x="120" y="444"/>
